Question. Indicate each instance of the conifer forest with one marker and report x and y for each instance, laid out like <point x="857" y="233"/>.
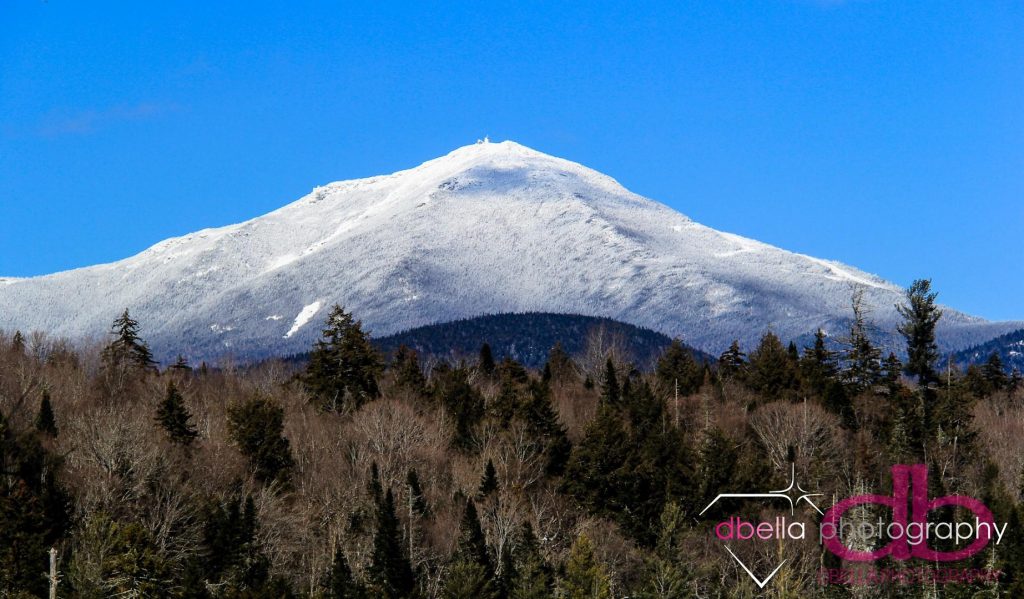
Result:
<point x="355" y="474"/>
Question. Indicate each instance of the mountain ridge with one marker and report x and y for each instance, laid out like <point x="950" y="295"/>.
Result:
<point x="488" y="228"/>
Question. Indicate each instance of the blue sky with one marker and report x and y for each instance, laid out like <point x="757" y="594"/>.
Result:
<point x="888" y="135"/>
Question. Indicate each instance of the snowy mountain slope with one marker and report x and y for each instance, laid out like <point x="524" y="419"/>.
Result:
<point x="489" y="228"/>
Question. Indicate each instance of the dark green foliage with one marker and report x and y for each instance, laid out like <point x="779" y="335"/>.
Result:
<point x="233" y="556"/>
<point x="339" y="582"/>
<point x="892" y="368"/>
<point x="732" y="362"/>
<point x="610" y="391"/>
<point x="256" y="427"/>
<point x="1007" y="346"/>
<point x="526" y="338"/>
<point x="18" y="343"/>
<point x="920" y="315"/>
<point x="46" y="422"/>
<point x="486" y="361"/>
<point x="489" y="481"/>
<point x="35" y="511"/>
<point x="559" y="366"/>
<point x="469" y="580"/>
<point x="127" y="349"/>
<point x="408" y="373"/>
<point x="629" y="463"/>
<point x="818" y="365"/>
<point x="419" y="500"/>
<point x="677" y="370"/>
<point x="343" y="366"/>
<point x="716" y="457"/>
<point x="584" y="577"/>
<point x="452" y="390"/>
<point x="374" y="486"/>
<point x="180" y="365"/>
<point x="174" y="417"/>
<point x="771" y="371"/>
<point x="544" y="426"/>
<point x="862" y="359"/>
<point x="532" y="577"/>
<point x="390" y="573"/>
<point x="472" y="543"/>
<point x="994" y="373"/>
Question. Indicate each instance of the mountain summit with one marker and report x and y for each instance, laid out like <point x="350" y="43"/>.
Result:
<point x="489" y="228"/>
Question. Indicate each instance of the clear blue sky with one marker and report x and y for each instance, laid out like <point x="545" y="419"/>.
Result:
<point x="888" y="135"/>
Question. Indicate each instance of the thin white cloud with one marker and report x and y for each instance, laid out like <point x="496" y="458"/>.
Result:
<point x="89" y="121"/>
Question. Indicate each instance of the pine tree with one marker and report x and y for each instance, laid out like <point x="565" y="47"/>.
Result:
<point x="472" y="543"/>
<point x="533" y="578"/>
<point x="818" y="364"/>
<point x="18" y="343"/>
<point x="920" y="315"/>
<point x="180" y="365"/>
<point x="863" y="359"/>
<point x="46" y="422"/>
<point x="560" y="366"/>
<point x="489" y="482"/>
<point x="731" y="363"/>
<point x="174" y="417"/>
<point x="408" y="374"/>
<point x="419" y="500"/>
<point x="666" y="577"/>
<point x="893" y="368"/>
<point x="339" y="582"/>
<point x="584" y="577"/>
<point x="127" y="349"/>
<point x="486" y="361"/>
<point x="256" y="427"/>
<point x="469" y="580"/>
<point x="771" y="372"/>
<point x="374" y="486"/>
<point x="610" y="391"/>
<point x="678" y="370"/>
<point x="343" y="366"/>
<point x="545" y="426"/>
<point x="461" y="401"/>
<point x="994" y="373"/>
<point x="390" y="572"/>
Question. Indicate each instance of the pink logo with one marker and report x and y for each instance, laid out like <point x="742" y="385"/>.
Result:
<point x="909" y="531"/>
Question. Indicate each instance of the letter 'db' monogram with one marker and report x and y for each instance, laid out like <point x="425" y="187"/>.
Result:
<point x="906" y="480"/>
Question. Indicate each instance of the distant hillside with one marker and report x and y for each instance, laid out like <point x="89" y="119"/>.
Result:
<point x="1010" y="348"/>
<point x="527" y="337"/>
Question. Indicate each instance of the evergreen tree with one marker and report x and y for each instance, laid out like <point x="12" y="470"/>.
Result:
<point x="419" y="500"/>
<point x="127" y="349"/>
<point x="390" y="571"/>
<point x="920" y="315"/>
<point x="486" y="361"/>
<point x="545" y="426"/>
<point x="560" y="365"/>
<point x="716" y="459"/>
<point x="174" y="417"/>
<point x="374" y="487"/>
<point x="18" y="343"/>
<point x="863" y="359"/>
<point x="472" y="543"/>
<point x="770" y="371"/>
<point x="732" y="362"/>
<point x="892" y="367"/>
<point x="180" y="365"/>
<point x="584" y="577"/>
<point x="256" y="427"/>
<point x="994" y="373"/>
<point x="610" y="392"/>
<point x="818" y="364"/>
<point x="46" y="422"/>
<point x="533" y="578"/>
<point x="489" y="482"/>
<point x="666" y="577"/>
<point x="469" y="580"/>
<point x="408" y="374"/>
<point x="343" y="366"/>
<point x="461" y="401"/>
<point x="339" y="582"/>
<point x="677" y="369"/>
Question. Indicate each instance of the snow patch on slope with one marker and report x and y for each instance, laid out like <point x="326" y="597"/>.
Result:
<point x="303" y="318"/>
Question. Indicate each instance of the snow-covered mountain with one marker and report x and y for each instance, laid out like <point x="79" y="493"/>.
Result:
<point x="489" y="228"/>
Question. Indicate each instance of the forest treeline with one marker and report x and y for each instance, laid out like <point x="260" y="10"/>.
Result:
<point x="361" y="475"/>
